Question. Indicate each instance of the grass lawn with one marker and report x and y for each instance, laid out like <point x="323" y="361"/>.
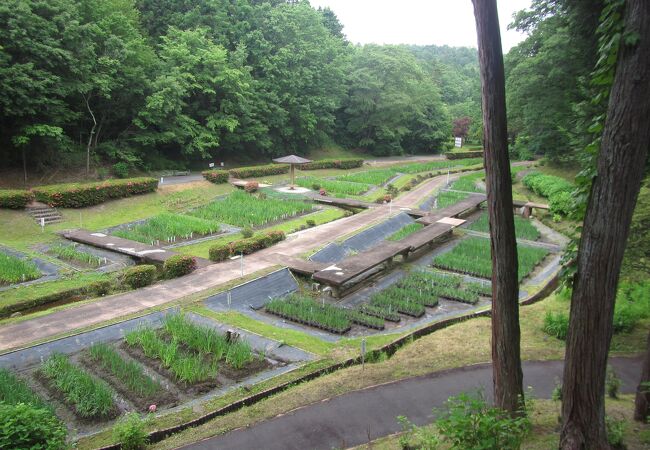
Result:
<point x="441" y="350"/>
<point x="524" y="229"/>
<point x="202" y="249"/>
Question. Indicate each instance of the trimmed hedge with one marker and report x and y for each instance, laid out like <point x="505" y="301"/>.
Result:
<point x="15" y="198"/>
<point x="346" y="163"/>
<point x="259" y="171"/>
<point x="216" y="176"/>
<point x="179" y="265"/>
<point x="558" y="191"/>
<point x="75" y="195"/>
<point x="140" y="276"/>
<point x="463" y="155"/>
<point x="221" y="252"/>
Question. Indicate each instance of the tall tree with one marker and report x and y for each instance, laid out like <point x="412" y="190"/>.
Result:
<point x="621" y="163"/>
<point x="506" y="358"/>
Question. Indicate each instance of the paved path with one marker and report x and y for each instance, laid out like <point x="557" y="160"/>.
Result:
<point x="351" y="419"/>
<point x="62" y="322"/>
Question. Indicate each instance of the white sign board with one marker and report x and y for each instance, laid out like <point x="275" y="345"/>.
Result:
<point x="211" y="165"/>
<point x="459" y="142"/>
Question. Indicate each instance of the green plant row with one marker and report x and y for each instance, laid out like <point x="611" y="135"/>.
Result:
<point x="472" y="256"/>
<point x="437" y="165"/>
<point x="382" y="313"/>
<point x="376" y="177"/>
<point x="129" y="373"/>
<point x="13" y="390"/>
<point x="558" y="191"/>
<point x="310" y="312"/>
<point x="80" y="195"/>
<point x="241" y="209"/>
<point x="405" y="231"/>
<point x="366" y="320"/>
<point x="466" y="183"/>
<point x="69" y="252"/>
<point x="484" y="289"/>
<point x="15" y="198"/>
<point x="168" y="227"/>
<point x="89" y="397"/>
<point x="207" y="341"/>
<point x="333" y="186"/>
<point x="343" y="163"/>
<point x="221" y="252"/>
<point x="186" y="367"/>
<point x="16" y="270"/>
<point x="439" y="286"/>
<point x="216" y="176"/>
<point x="464" y="155"/>
<point x="405" y="302"/>
<point x="524" y="229"/>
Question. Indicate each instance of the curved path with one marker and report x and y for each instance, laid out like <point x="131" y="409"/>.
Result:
<point x="352" y="419"/>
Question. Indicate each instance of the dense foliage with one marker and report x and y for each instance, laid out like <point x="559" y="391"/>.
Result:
<point x="140" y="276"/>
<point x="80" y="195"/>
<point x="557" y="190"/>
<point x="161" y="84"/>
<point x="15" y="198"/>
<point x="26" y="426"/>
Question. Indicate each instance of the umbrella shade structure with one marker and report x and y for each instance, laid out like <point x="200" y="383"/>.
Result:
<point x="293" y="161"/>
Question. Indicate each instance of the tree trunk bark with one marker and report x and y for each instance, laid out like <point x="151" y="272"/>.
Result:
<point x="642" y="400"/>
<point x="90" y="137"/>
<point x="621" y="163"/>
<point x="506" y="358"/>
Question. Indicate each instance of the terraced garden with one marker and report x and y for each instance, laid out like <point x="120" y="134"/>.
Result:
<point x="472" y="256"/>
<point x="524" y="229"/>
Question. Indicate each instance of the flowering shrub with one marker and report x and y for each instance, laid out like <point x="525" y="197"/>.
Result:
<point x="76" y="195"/>
<point x="221" y="252"/>
<point x="259" y="171"/>
<point x="216" y="176"/>
<point x="14" y="198"/>
<point x="251" y="186"/>
<point x="346" y="163"/>
<point x="179" y="265"/>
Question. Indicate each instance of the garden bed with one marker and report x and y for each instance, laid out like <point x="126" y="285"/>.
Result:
<point x="15" y="270"/>
<point x="334" y="187"/>
<point x="71" y="254"/>
<point x="524" y="229"/>
<point x="169" y="227"/>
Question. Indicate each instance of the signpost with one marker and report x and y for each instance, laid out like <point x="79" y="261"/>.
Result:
<point x="458" y="142"/>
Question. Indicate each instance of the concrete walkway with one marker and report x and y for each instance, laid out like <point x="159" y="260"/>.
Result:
<point x="62" y="322"/>
<point x="355" y="418"/>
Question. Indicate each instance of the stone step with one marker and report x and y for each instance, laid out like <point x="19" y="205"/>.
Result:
<point x="49" y="220"/>
<point x="46" y="214"/>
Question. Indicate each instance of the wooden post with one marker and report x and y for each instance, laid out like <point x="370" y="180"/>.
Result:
<point x="293" y="177"/>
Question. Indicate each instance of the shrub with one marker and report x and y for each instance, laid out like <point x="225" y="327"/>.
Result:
<point x="612" y="383"/>
<point x="221" y="252"/>
<point x="345" y="163"/>
<point x="556" y="324"/>
<point x="557" y="190"/>
<point x="130" y="432"/>
<point x="311" y="223"/>
<point x="315" y="186"/>
<point x="140" y="276"/>
<point x="75" y="195"/>
<point x="121" y="169"/>
<point x="247" y="232"/>
<point x="463" y="155"/>
<point x="251" y="186"/>
<point x="25" y="426"/>
<point x="216" y="176"/>
<point x="259" y="171"/>
<point x="615" y="432"/>
<point x="179" y="265"/>
<point x="101" y="287"/>
<point x="469" y="423"/>
<point x="14" y="198"/>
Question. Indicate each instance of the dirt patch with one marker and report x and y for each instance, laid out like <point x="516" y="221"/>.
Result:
<point x="237" y="375"/>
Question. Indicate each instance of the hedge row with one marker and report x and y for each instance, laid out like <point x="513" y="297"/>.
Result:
<point x="463" y="155"/>
<point x="221" y="252"/>
<point x="75" y="195"/>
<point x="179" y="265"/>
<point x="347" y="163"/>
<point x="259" y="171"/>
<point x="557" y="190"/>
<point x="14" y="198"/>
<point x="216" y="176"/>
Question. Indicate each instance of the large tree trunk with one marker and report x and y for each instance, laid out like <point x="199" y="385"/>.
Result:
<point x="621" y="163"/>
<point x="506" y="358"/>
<point x="642" y="400"/>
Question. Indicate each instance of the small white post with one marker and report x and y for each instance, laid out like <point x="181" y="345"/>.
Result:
<point x="363" y="354"/>
<point x="161" y="180"/>
<point x="448" y="171"/>
<point x="242" y="264"/>
<point x="229" y="299"/>
<point x="42" y="225"/>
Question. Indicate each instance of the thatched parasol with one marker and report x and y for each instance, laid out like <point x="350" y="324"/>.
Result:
<point x="293" y="161"/>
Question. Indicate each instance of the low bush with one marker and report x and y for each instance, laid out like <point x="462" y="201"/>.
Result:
<point x="221" y="252"/>
<point x="632" y="305"/>
<point x="14" y="198"/>
<point x="259" y="171"/>
<point x="558" y="191"/>
<point x="247" y="232"/>
<point x="78" y="195"/>
<point x="556" y="324"/>
<point x="464" y="155"/>
<point x="140" y="276"/>
<point x="121" y="169"/>
<point x="345" y="163"/>
<point x="612" y="383"/>
<point x="179" y="265"/>
<point x="89" y="397"/>
<point x="216" y="176"/>
<point x="27" y="427"/>
<point x="251" y="186"/>
<point x="130" y="432"/>
<point x="469" y="423"/>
